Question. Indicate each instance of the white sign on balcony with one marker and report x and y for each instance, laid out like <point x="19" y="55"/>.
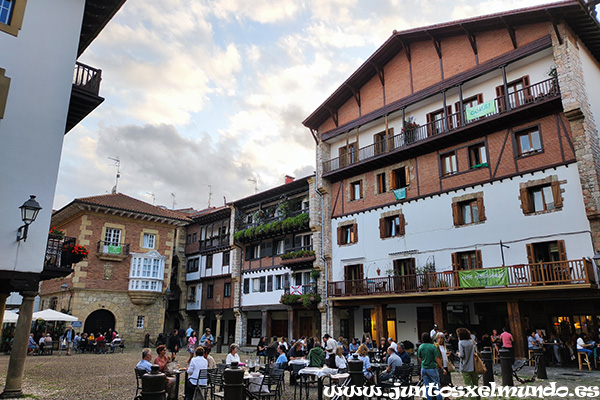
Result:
<point x="480" y="110"/>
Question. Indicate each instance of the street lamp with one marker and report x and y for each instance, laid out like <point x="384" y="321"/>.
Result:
<point x="64" y="287"/>
<point x="29" y="212"/>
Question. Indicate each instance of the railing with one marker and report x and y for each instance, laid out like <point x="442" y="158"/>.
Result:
<point x="55" y="258"/>
<point x="112" y="249"/>
<point x="528" y="275"/>
<point x="311" y="288"/>
<point x="268" y="220"/>
<point x="213" y="242"/>
<point x="520" y="98"/>
<point x="87" y="78"/>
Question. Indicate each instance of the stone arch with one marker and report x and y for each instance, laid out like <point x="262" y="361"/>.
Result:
<point x="99" y="321"/>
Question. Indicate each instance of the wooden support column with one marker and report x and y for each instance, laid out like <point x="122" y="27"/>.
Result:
<point x="381" y="321"/>
<point x="516" y="328"/>
<point x="290" y="324"/>
<point x="440" y="316"/>
<point x="265" y="322"/>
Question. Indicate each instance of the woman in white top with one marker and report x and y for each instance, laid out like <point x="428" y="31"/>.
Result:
<point x="233" y="354"/>
<point x="340" y="361"/>
<point x="582" y="346"/>
<point x="440" y="343"/>
<point x="197" y="365"/>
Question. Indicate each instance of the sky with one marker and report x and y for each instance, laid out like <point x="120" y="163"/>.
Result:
<point x="206" y="96"/>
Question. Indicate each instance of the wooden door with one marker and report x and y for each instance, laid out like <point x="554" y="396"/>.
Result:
<point x="353" y="275"/>
<point x="305" y="327"/>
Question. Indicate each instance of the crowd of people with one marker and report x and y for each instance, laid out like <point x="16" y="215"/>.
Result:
<point x="75" y="341"/>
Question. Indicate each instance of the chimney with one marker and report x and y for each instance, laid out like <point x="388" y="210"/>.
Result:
<point x="289" y="179"/>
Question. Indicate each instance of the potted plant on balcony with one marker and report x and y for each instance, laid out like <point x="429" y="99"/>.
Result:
<point x="56" y="233"/>
<point x="74" y="252"/>
<point x="409" y="129"/>
<point x="315" y="274"/>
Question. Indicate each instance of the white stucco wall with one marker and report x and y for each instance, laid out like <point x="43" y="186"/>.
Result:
<point x="40" y="63"/>
<point x="262" y="298"/>
<point x="430" y="230"/>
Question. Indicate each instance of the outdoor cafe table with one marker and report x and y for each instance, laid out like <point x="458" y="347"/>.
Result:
<point x="253" y="380"/>
<point x="321" y="374"/>
<point x="376" y="369"/>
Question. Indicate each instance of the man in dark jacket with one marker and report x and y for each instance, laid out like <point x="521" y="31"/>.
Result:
<point x="174" y="343"/>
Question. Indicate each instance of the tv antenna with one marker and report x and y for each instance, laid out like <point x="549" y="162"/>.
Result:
<point x="153" y="197"/>
<point x="174" y="202"/>
<point x="118" y="165"/>
<point x="255" y="181"/>
<point x="209" y="194"/>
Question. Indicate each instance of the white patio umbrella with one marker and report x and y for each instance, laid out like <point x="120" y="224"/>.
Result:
<point x="10" y="317"/>
<point x="53" y="315"/>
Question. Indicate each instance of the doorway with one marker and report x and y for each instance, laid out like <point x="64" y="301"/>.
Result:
<point x="353" y="275"/>
<point x="99" y="321"/>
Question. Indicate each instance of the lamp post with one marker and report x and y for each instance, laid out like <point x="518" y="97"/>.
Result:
<point x="29" y="212"/>
<point x="64" y="287"/>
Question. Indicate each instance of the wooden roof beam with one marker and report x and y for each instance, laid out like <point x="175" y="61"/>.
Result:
<point x="555" y="25"/>
<point x="405" y="45"/>
<point x="379" y="73"/>
<point x="334" y="115"/>
<point x="511" y="32"/>
<point x="471" y="37"/>
<point x="355" y="93"/>
<point x="436" y="43"/>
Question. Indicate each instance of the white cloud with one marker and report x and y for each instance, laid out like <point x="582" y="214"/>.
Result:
<point x="263" y="11"/>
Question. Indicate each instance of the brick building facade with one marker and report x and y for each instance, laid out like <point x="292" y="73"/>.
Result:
<point x="122" y="283"/>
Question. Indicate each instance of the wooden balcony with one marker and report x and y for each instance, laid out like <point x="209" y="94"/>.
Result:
<point x="211" y="245"/>
<point x="112" y="251"/>
<point x="57" y="264"/>
<point x="84" y="94"/>
<point x="444" y="130"/>
<point x="551" y="274"/>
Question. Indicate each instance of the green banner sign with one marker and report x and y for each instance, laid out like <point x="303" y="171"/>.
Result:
<point x="483" y="277"/>
<point x="400" y="193"/>
<point x="480" y="110"/>
<point x="114" y="249"/>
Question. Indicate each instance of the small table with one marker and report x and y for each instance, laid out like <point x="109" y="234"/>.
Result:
<point x="320" y="373"/>
<point x="254" y="381"/>
<point x="177" y="373"/>
<point x="376" y="368"/>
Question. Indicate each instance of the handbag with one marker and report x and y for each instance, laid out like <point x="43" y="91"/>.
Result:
<point x="451" y="367"/>
<point x="480" y="368"/>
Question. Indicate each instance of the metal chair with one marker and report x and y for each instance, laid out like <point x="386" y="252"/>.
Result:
<point x="138" y="380"/>
<point x="200" y="391"/>
<point x="215" y="384"/>
<point x="270" y="387"/>
<point x="270" y="355"/>
<point x="295" y="378"/>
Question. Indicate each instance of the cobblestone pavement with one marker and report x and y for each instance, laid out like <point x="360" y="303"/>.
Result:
<point x="111" y="376"/>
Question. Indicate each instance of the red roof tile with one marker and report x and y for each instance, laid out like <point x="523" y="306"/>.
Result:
<point x="123" y="202"/>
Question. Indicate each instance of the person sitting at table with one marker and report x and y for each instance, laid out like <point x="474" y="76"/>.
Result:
<point x="539" y="337"/>
<point x="310" y="343"/>
<point x="41" y="344"/>
<point x="261" y="347"/>
<point x="195" y="378"/>
<point x="282" y="360"/>
<point x="554" y="342"/>
<point x="368" y="343"/>
<point x="233" y="355"/>
<point x="283" y="342"/>
<point x="346" y="347"/>
<point x="275" y="342"/>
<point x="100" y="342"/>
<point x="583" y="346"/>
<point x="144" y="363"/>
<point x="296" y="352"/>
<point x="212" y="364"/>
<point x="404" y="356"/>
<point x="316" y="356"/>
<point x="48" y="342"/>
<point x="31" y="345"/>
<point x="393" y="344"/>
<point x="382" y="347"/>
<point x="162" y="360"/>
<point x="496" y="341"/>
<point x="363" y="355"/>
<point x="532" y="343"/>
<point x="393" y="361"/>
<point x="340" y="360"/>
<point x="353" y="346"/>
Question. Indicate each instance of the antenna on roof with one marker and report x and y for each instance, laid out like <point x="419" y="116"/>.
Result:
<point x="209" y="194"/>
<point x="118" y="165"/>
<point x="255" y="181"/>
<point x="153" y="197"/>
<point x="224" y="201"/>
<point x="174" y="202"/>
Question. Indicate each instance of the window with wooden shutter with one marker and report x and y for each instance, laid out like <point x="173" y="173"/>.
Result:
<point x="339" y="235"/>
<point x="455" y="261"/>
<point x="401" y="225"/>
<point x="270" y="283"/>
<point x="354" y="235"/>
<point x="248" y="252"/>
<point x="500" y="98"/>
<point x="456" y="214"/>
<point x="530" y="253"/>
<point x="558" y="201"/>
<point x="481" y="209"/>
<point x="381" y="186"/>
<point x="356" y="190"/>
<point x="400" y="178"/>
<point x="562" y="251"/>
<point x="262" y="283"/>
<point x="478" y="258"/>
<point x="382" y="228"/>
<point x="525" y="201"/>
<point x="246" y="286"/>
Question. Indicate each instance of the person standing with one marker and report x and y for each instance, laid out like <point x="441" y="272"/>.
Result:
<point x="466" y="353"/>
<point x="69" y="339"/>
<point x="430" y="359"/>
<point x="191" y="345"/>
<point x="189" y="331"/>
<point x="507" y="343"/>
<point x="316" y="356"/>
<point x="207" y="336"/>
<point x="174" y="343"/>
<point x="444" y="372"/>
<point x="330" y="346"/>
<point x="433" y="333"/>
